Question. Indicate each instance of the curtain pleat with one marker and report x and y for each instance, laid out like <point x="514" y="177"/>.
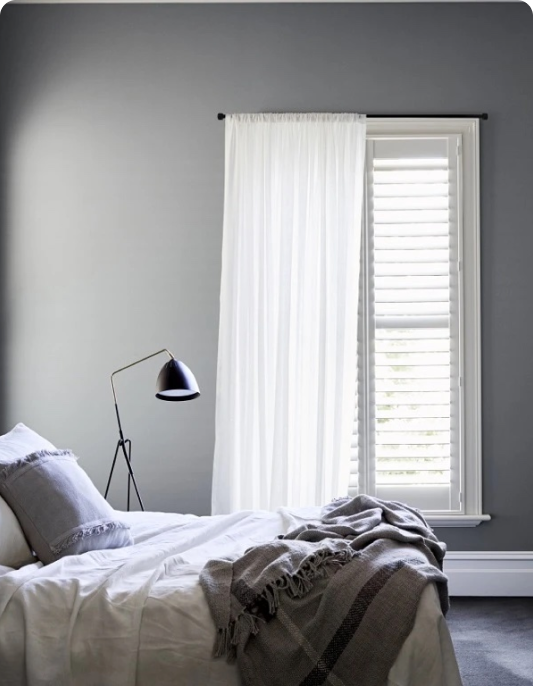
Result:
<point x="287" y="360"/>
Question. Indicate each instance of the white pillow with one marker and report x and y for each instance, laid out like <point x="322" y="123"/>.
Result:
<point x="17" y="443"/>
<point x="22" y="441"/>
<point x="14" y="549"/>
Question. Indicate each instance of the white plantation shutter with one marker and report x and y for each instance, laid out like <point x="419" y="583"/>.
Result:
<point x="407" y="427"/>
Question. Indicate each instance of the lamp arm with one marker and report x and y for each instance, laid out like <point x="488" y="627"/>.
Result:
<point x="163" y="350"/>
<point x="122" y="441"/>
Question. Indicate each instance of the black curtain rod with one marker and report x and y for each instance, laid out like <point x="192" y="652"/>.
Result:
<point x="221" y="116"/>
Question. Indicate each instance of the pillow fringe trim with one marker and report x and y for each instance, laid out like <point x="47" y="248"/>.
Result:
<point x="84" y="532"/>
<point x="14" y="466"/>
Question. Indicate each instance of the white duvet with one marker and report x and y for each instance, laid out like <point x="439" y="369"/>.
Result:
<point x="137" y="616"/>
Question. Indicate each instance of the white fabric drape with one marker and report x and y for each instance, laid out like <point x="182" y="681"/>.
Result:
<point x="287" y="360"/>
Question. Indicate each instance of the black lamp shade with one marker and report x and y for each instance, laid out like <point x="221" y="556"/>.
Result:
<point x="176" y="382"/>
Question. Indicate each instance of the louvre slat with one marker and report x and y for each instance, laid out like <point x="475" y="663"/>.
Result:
<point x="412" y="322"/>
<point x="417" y="399"/>
<point x="413" y="255"/>
<point x="412" y="351"/>
<point x="382" y="283"/>
<point x="404" y="309"/>
<point x="431" y="478"/>
<point x="411" y="386"/>
<point x="414" y="464"/>
<point x="414" y="438"/>
<point x="411" y="202"/>
<point x="410" y="216"/>
<point x="410" y="359"/>
<point x="427" y="295"/>
<point x="410" y="334"/>
<point x="400" y="425"/>
<point x="404" y="373"/>
<point x="427" y="451"/>
<point x="410" y="163"/>
<point x="398" y="346"/>
<point x="411" y="243"/>
<point x="425" y="176"/>
<point x="406" y="190"/>
<point x="412" y="268"/>
<point x="419" y="229"/>
<point x="406" y="412"/>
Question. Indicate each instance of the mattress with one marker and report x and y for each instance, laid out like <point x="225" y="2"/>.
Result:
<point x="137" y="616"/>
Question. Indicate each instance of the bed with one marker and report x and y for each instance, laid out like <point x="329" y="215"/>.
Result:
<point x="138" y="615"/>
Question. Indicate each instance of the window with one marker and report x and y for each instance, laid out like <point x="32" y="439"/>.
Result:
<point x="417" y="428"/>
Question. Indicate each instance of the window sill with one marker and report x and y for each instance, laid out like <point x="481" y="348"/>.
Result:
<point x="436" y="521"/>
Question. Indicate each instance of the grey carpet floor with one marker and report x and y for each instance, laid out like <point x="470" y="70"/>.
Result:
<point x="493" y="640"/>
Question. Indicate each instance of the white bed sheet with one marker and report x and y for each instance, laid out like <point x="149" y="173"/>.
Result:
<point x="138" y="617"/>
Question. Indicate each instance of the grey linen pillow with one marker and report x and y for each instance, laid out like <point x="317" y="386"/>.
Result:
<point x="59" y="508"/>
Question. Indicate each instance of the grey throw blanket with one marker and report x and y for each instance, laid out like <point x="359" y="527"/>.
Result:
<point x="330" y="602"/>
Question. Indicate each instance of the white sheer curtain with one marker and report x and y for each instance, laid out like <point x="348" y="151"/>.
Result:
<point x="287" y="361"/>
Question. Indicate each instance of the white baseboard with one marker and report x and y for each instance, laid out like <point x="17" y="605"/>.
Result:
<point x="499" y="573"/>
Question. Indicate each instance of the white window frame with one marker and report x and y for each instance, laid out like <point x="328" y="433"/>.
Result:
<point x="467" y="129"/>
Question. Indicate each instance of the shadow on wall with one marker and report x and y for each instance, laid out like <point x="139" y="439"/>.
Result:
<point x="3" y="284"/>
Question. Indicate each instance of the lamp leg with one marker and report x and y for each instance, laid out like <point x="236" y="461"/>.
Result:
<point x="130" y="473"/>
<point x="131" y="476"/>
<point x="112" y="469"/>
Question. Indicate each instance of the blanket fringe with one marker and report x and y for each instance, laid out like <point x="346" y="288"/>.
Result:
<point x="237" y="633"/>
<point x="321" y="564"/>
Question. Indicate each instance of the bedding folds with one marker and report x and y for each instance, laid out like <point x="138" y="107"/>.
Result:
<point x="138" y="615"/>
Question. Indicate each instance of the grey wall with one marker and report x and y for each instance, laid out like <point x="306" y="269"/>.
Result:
<point x="111" y="208"/>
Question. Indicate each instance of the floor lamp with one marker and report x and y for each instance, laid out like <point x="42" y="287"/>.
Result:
<point x="175" y="382"/>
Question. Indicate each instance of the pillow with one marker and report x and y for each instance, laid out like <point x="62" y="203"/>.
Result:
<point x="58" y="506"/>
<point x="17" y="443"/>
<point x="14" y="549"/>
<point x="21" y="441"/>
